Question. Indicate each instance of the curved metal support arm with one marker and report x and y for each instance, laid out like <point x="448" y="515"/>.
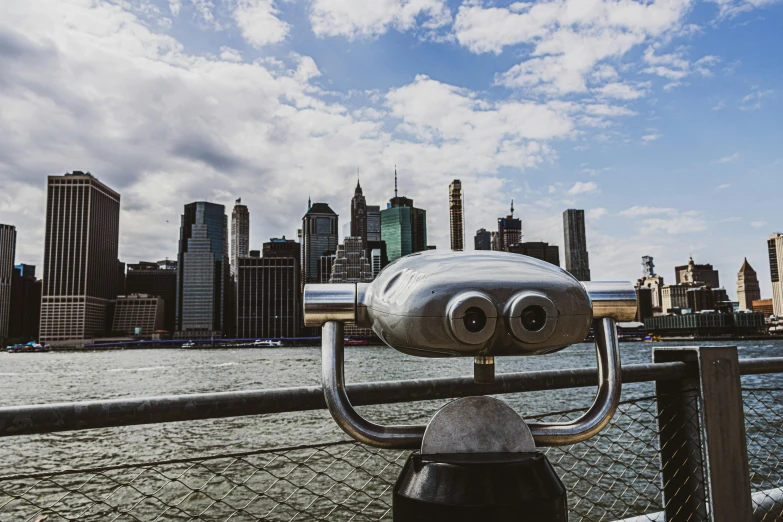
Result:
<point x="332" y="369"/>
<point x="606" y="401"/>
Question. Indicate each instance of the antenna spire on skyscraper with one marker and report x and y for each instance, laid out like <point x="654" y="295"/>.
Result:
<point x="395" y="181"/>
<point x="512" y="208"/>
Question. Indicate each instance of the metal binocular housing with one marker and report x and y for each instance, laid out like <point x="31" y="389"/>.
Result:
<point x="479" y="304"/>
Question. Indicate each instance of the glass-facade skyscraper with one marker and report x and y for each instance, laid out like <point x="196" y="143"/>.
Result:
<point x="203" y="276"/>
<point x="577" y="261"/>
<point x="240" y="233"/>
<point x="403" y="228"/>
<point x="319" y="238"/>
<point x="7" y="253"/>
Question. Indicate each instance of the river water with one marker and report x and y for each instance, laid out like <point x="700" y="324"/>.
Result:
<point x="59" y="377"/>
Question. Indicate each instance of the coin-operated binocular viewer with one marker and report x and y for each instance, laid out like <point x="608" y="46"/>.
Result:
<point x="477" y="457"/>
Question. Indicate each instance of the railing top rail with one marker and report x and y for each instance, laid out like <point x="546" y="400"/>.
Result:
<point x="48" y="418"/>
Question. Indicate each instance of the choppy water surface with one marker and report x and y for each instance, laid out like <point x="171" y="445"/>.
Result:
<point x="57" y="377"/>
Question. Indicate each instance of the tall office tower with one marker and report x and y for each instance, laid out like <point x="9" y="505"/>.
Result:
<point x="359" y="215"/>
<point x="325" y="268"/>
<point x="375" y="262"/>
<point x="648" y="267"/>
<point x="281" y="247"/>
<point x="576" y="257"/>
<point x="482" y="240"/>
<point x="240" y="233"/>
<point x="748" y="289"/>
<point x="538" y="250"/>
<point x="7" y="254"/>
<point x="138" y="314"/>
<point x="509" y="230"/>
<point x="456" y="218"/>
<point x="351" y="264"/>
<point x="696" y="275"/>
<point x="403" y="226"/>
<point x="673" y="296"/>
<point x="373" y="223"/>
<point x="25" y="313"/>
<point x="381" y="247"/>
<point x="319" y="238"/>
<point x="158" y="279"/>
<point x="494" y="241"/>
<point x="268" y="295"/>
<point x="775" y="248"/>
<point x="80" y="257"/>
<point x="203" y="275"/>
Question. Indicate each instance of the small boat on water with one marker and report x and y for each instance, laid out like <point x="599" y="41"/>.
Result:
<point x="266" y="343"/>
<point x="650" y="338"/>
<point x="356" y="342"/>
<point x="31" y="347"/>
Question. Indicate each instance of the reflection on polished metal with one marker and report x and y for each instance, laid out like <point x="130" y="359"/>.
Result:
<point x="476" y="425"/>
<point x="332" y="368"/>
<point x="483" y="369"/>
<point x="607" y="349"/>
<point x="615" y="299"/>
<point x="329" y="302"/>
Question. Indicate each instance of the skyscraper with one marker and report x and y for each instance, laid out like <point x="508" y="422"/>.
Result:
<point x="576" y="257"/>
<point x="158" y="279"/>
<point x="7" y="254"/>
<point x="509" y="230"/>
<point x="319" y="238"/>
<point x="240" y="233"/>
<point x="25" y="313"/>
<point x="359" y="215"/>
<point x="482" y="240"/>
<point x="538" y="250"/>
<point x="748" y="289"/>
<point x="403" y="226"/>
<point x="697" y="275"/>
<point x="80" y="256"/>
<point x="373" y="223"/>
<point x="456" y="219"/>
<point x="351" y="264"/>
<point x="203" y="274"/>
<point x="775" y="248"/>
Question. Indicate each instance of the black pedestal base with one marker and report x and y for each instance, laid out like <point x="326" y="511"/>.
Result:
<point x="499" y="487"/>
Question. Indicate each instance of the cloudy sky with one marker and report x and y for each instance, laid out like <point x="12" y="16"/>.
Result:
<point x="661" y="118"/>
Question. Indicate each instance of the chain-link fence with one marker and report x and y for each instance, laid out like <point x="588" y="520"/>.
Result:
<point x="613" y="476"/>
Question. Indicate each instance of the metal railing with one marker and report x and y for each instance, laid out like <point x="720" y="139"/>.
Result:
<point x="654" y="456"/>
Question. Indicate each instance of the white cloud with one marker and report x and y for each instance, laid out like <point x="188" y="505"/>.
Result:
<point x="175" y="6"/>
<point x="259" y="23"/>
<point x="647" y="138"/>
<point x="732" y="8"/>
<point x="724" y="186"/>
<point x="594" y="214"/>
<point x="752" y="101"/>
<point x="729" y="158"/>
<point x="672" y="221"/>
<point x="230" y="55"/>
<point x="370" y="19"/>
<point x="636" y="211"/>
<point x="621" y="91"/>
<point x="581" y="187"/>
<point x="758" y="224"/>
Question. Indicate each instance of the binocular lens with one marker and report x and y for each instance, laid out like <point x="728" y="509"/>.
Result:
<point x="475" y="319"/>
<point x="533" y="318"/>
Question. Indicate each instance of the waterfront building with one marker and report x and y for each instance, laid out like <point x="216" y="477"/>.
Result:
<point x="577" y="262"/>
<point x="319" y="239"/>
<point x="748" y="289"/>
<point x="648" y="267"/>
<point x="373" y="223"/>
<point x="403" y="226"/>
<point x="7" y="254"/>
<point x="351" y="264"/>
<point x="359" y="215"/>
<point x="702" y="298"/>
<point x="494" y="241"/>
<point x="763" y="306"/>
<point x="538" y="250"/>
<point x="696" y="275"/>
<point x="509" y="231"/>
<point x="138" y="314"/>
<point x="268" y="297"/>
<point x="240" y="233"/>
<point x="156" y="279"/>
<point x="203" y="274"/>
<point x="655" y="284"/>
<point x="25" y="316"/>
<point x="673" y="297"/>
<point x="707" y="324"/>
<point x="456" y="218"/>
<point x="482" y="240"/>
<point x="80" y="257"/>
<point x="775" y="248"/>
<point x="644" y="298"/>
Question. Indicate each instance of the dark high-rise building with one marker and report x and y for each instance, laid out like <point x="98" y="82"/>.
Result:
<point x="696" y="275"/>
<point x="121" y="283"/>
<point x="281" y="247"/>
<point x="775" y="249"/>
<point x="456" y="217"/>
<point x="359" y="215"/>
<point x="577" y="262"/>
<point x="138" y="314"/>
<point x="80" y="257"/>
<point x="268" y="296"/>
<point x="509" y="230"/>
<point x="25" y="315"/>
<point x="403" y="226"/>
<point x="319" y="238"/>
<point x="538" y="250"/>
<point x="7" y="254"/>
<point x="644" y="299"/>
<point x="382" y="258"/>
<point x="482" y="240"/>
<point x="203" y="276"/>
<point x="325" y="263"/>
<point x="158" y="279"/>
<point x="373" y="223"/>
<point x="240" y="233"/>
<point x="748" y="289"/>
